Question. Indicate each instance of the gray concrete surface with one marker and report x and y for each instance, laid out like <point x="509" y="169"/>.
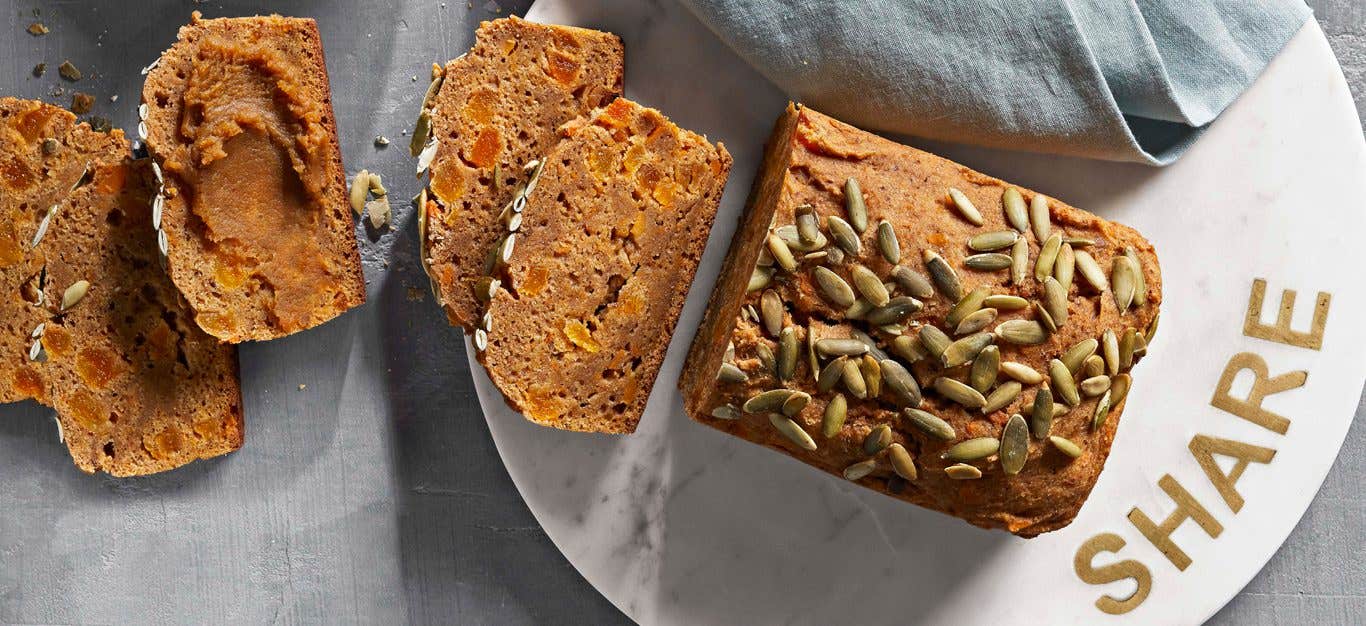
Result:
<point x="468" y="550"/>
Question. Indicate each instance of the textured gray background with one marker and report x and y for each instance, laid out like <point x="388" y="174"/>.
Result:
<point x="467" y="548"/>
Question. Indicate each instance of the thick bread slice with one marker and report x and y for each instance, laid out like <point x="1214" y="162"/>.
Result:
<point x="611" y="237"/>
<point x="137" y="386"/>
<point x="497" y="108"/>
<point x="758" y="306"/>
<point x="260" y="238"/>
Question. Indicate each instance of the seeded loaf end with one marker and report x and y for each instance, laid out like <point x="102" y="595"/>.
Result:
<point x="491" y="111"/>
<point x="256" y="221"/>
<point x="138" y="388"/>
<point x="922" y="329"/>
<point x="611" y="237"/>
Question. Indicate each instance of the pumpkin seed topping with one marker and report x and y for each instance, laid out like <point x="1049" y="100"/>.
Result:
<point x="792" y="431"/>
<point x="860" y="469"/>
<point x="44" y="224"/>
<point x="1002" y="396"/>
<point x="1124" y="282"/>
<point x="1003" y="302"/>
<point x="1055" y="300"/>
<point x="1041" y="413"/>
<point x="945" y="279"/>
<point x="1093" y="366"/>
<point x="1039" y="216"/>
<point x="1021" y="332"/>
<point x="808" y="224"/>
<point x="1016" y="213"/>
<point x="1044" y="319"/>
<point x="852" y="377"/>
<point x="831" y="346"/>
<point x="902" y="463"/>
<point x="788" y="233"/>
<point x="872" y="374"/>
<point x="959" y="392"/>
<point x="360" y="188"/>
<point x="964" y="350"/>
<point x="1048" y="256"/>
<point x="974" y="449"/>
<point x="878" y="439"/>
<point x="781" y="253"/>
<point x="900" y="383"/>
<point x="74" y="294"/>
<point x="993" y="240"/>
<point x="844" y="234"/>
<point x="934" y="341"/>
<point x="1140" y="283"/>
<point x="1126" y="348"/>
<point x="913" y="282"/>
<point x="729" y="373"/>
<point x="759" y="279"/>
<point x="964" y="207"/>
<point x="896" y="310"/>
<point x="908" y="348"/>
<point x="771" y="312"/>
<point x="969" y="303"/>
<point x="1019" y="261"/>
<point x="770" y="400"/>
<point x="830" y="374"/>
<point x="988" y="262"/>
<point x="1119" y="388"/>
<point x="1014" y="448"/>
<point x="787" y="354"/>
<point x="975" y="321"/>
<point x="1021" y="372"/>
<point x="962" y="471"/>
<point x="1076" y="355"/>
<point x="930" y="424"/>
<point x="1061" y="379"/>
<point x="832" y="420"/>
<point x="1090" y="270"/>
<point x="869" y="285"/>
<point x="1094" y="386"/>
<point x="1109" y="348"/>
<point x="1065" y="446"/>
<point x="854" y="206"/>
<point x="887" y="243"/>
<point x="795" y="403"/>
<point x="833" y="287"/>
<point x="1151" y="331"/>
<point x="859" y="335"/>
<point x="812" y="362"/>
<point x="1065" y="267"/>
<point x="1102" y="411"/>
<point x="726" y="412"/>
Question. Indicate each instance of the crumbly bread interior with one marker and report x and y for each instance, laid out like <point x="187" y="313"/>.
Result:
<point x="138" y="388"/>
<point x="499" y="107"/>
<point x="611" y="238"/>
<point x="238" y="113"/>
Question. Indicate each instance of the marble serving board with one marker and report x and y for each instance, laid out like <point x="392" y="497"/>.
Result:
<point x="681" y="524"/>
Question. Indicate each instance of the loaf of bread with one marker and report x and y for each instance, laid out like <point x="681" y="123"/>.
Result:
<point x="90" y="324"/>
<point x="598" y="267"/>
<point x="254" y="215"/>
<point x="922" y="329"/>
<point x="487" y="114"/>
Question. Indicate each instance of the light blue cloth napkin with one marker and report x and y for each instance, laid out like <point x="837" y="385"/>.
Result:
<point x="1125" y="80"/>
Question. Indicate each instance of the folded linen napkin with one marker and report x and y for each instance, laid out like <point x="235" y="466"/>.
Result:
<point x="1125" y="80"/>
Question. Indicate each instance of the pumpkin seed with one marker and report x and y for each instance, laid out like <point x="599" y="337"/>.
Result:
<point x="869" y="285"/>
<point x="993" y="240"/>
<point x="1126" y="348"/>
<point x="902" y="463"/>
<point x="1061" y="378"/>
<point x="1019" y="261"/>
<point x="1093" y="366"/>
<point x="816" y="256"/>
<point x="726" y="412"/>
<point x="1002" y="396"/>
<point x="770" y="400"/>
<point x="759" y="278"/>
<point x="872" y="375"/>
<point x="1140" y="283"/>
<point x="1109" y="348"/>
<point x="771" y="312"/>
<point x="877" y="439"/>
<point x="1119" y="388"/>
<point x="855" y="333"/>
<point x="1016" y="213"/>
<point x="830" y="374"/>
<point x="73" y="294"/>
<point x="1002" y="302"/>
<point x="831" y="346"/>
<point x="887" y="243"/>
<point x="1076" y="355"/>
<point x="36" y="351"/>
<point x="1048" y="256"/>
<point x="360" y="187"/>
<point x="808" y="224"/>
<point x="1055" y="300"/>
<point x="486" y="287"/>
<point x="969" y="303"/>
<point x="781" y="253"/>
<point x="844" y="234"/>
<point x="751" y="314"/>
<point x="44" y="224"/>
<point x="766" y="358"/>
<point x="852" y="377"/>
<point x="913" y="282"/>
<point x="1014" y="448"/>
<point x="834" y="256"/>
<point x="812" y="363"/>
<point x="1041" y="414"/>
<point x="974" y="449"/>
<point x="1039" y="216"/>
<point x="788" y="233"/>
<point x="853" y="205"/>
<point x="1140" y="346"/>
<point x="787" y="354"/>
<point x="1021" y="332"/>
<point x="962" y="471"/>
<point x="1065" y="267"/>
<point x="833" y="287"/>
<point x="945" y="279"/>
<point x="421" y="131"/>
<point x="159" y="209"/>
<point x="795" y="403"/>
<point x="1065" y="446"/>
<point x="1122" y="278"/>
<point x="1102" y="411"/>
<point x="832" y="420"/>
<point x="860" y="469"/>
<point x="792" y="431"/>
<point x="934" y="341"/>
<point x="1021" y="372"/>
<point x="900" y="382"/>
<point x="964" y="350"/>
<point x="1044" y="319"/>
<point x="896" y="310"/>
<point x="1151" y="331"/>
<point x="959" y="392"/>
<point x="1090" y="270"/>
<point x="1094" y="386"/>
<point x="481" y="339"/>
<point x="858" y="310"/>
<point x="908" y="348"/>
<point x="976" y="321"/>
<point x="964" y="206"/>
<point x="1060" y="409"/>
<point x="765" y="257"/>
<point x="729" y="373"/>
<point x="988" y="262"/>
<point x="930" y="424"/>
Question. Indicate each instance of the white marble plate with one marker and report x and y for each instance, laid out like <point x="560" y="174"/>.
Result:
<point x="681" y="524"/>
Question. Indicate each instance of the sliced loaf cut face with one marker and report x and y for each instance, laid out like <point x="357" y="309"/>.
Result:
<point x="597" y="274"/>
<point x="89" y="322"/>
<point x="256" y="217"/>
<point x="925" y="310"/>
<point x="495" y="109"/>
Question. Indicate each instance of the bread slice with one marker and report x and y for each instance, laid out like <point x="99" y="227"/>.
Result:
<point x="610" y="238"/>
<point x="137" y="386"/>
<point x="256" y="219"/>
<point x="836" y="355"/>
<point x="492" y="111"/>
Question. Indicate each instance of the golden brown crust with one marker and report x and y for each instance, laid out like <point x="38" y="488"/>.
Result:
<point x="260" y="235"/>
<point x="809" y="159"/>
<point x="612" y="235"/>
<point x="137" y="386"/>
<point x="498" y="108"/>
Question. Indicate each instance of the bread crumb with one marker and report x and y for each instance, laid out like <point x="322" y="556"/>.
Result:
<point x="81" y="103"/>
<point x="39" y="70"/>
<point x="302" y="386"/>
<point x="69" y="71"/>
<point x="37" y="29"/>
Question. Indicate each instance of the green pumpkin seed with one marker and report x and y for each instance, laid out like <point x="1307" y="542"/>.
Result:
<point x="1126" y="348"/>
<point x="1076" y="355"/>
<point x="1109" y="348"/>
<point x="834" y="256"/>
<point x="360" y="188"/>
<point x="945" y="279"/>
<point x="1060" y="409"/>
<point x="831" y="346"/>
<point x="852" y="377"/>
<point x="902" y="463"/>
<point x="900" y="383"/>
<point x="771" y="312"/>
<point x="1090" y="270"/>
<point x="858" y="310"/>
<point x="1065" y="446"/>
<point x="913" y="282"/>
<point x="1021" y="372"/>
<point x="1102" y="411"/>
<point x="1122" y="278"/>
<point x="962" y="471"/>
<point x="1048" y="256"/>
<point x="1140" y="283"/>
<point x="908" y="348"/>
<point x="766" y="358"/>
<point x="1016" y="213"/>
<point x="795" y="403"/>
<point x="1039" y="216"/>
<point x="985" y="368"/>
<point x="964" y="207"/>
<point x="833" y="287"/>
<point x="1041" y="315"/>
<point x="969" y="303"/>
<point x="835" y="413"/>
<point x="812" y="363"/>
<point x="792" y="431"/>
<point x="993" y="240"/>
<point x="863" y="337"/>
<point x="963" y="351"/>
<point x="726" y="412"/>
<point x="1065" y="267"/>
<point x="887" y="243"/>
<point x="1094" y="386"/>
<point x="976" y="321"/>
<point x="74" y="294"/>
<point x="853" y="205"/>
<point x="934" y="341"/>
<point x="788" y="233"/>
<point x="844" y="235"/>
<point x="896" y="310"/>
<point x="1019" y="261"/>
<point x="787" y="354"/>
<point x="830" y="374"/>
<point x="729" y="373"/>
<point x="765" y="401"/>
<point x="781" y="253"/>
<point x="1140" y="346"/>
<point x="930" y="424"/>
<point x="1152" y="329"/>
<point x="1055" y="300"/>
<point x="1041" y="414"/>
<point x="972" y="449"/>
<point x="1014" y="448"/>
<point x="872" y="375"/>
<point x="759" y="279"/>
<point x="860" y="469"/>
<point x="1002" y="302"/>
<point x="808" y="224"/>
<point x="877" y="439"/>
<point x="1093" y="366"/>
<point x="1079" y="242"/>
<point x="869" y="285"/>
<point x="1061" y="378"/>
<point x="1021" y="332"/>
<point x="1002" y="396"/>
<point x="959" y="392"/>
<point x="1119" y="388"/>
<point x="988" y="262"/>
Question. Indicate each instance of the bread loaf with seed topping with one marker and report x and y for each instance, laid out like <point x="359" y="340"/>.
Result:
<point x="137" y="386"/>
<point x="923" y="329"/>
<point x="256" y="219"/>
<point x="495" y="109"/>
<point x="609" y="241"/>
